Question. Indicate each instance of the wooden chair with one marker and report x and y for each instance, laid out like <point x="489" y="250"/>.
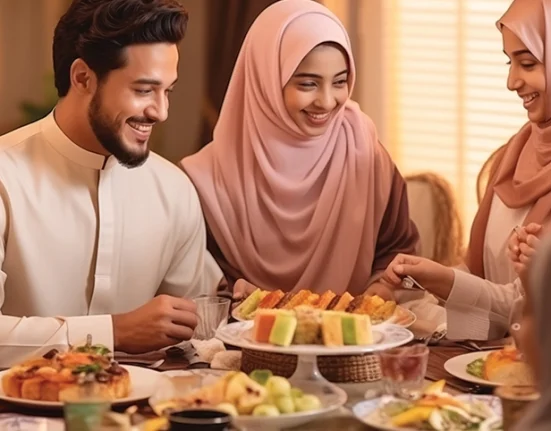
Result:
<point x="433" y="209"/>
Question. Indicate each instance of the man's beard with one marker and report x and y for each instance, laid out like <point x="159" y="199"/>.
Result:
<point x="107" y="133"/>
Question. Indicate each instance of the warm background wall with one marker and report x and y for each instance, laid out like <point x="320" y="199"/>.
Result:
<point x="431" y="74"/>
<point x="26" y="32"/>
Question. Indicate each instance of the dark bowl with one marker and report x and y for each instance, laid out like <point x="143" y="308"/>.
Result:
<point x="199" y="419"/>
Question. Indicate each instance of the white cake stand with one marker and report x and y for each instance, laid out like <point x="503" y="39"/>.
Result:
<point x="386" y="336"/>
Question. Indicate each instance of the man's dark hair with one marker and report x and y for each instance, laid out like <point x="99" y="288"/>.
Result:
<point x="98" y="31"/>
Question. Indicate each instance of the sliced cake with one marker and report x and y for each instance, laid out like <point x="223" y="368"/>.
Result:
<point x="249" y="305"/>
<point x="271" y="299"/>
<point x="263" y="323"/>
<point x="340" y="302"/>
<point x="331" y="328"/>
<point x="283" y="330"/>
<point x="274" y="327"/>
<point x="308" y="325"/>
<point x="356" y="330"/>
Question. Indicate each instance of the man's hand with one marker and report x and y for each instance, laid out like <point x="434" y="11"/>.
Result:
<point x="162" y="322"/>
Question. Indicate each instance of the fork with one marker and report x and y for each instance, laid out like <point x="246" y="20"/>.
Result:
<point x="409" y="283"/>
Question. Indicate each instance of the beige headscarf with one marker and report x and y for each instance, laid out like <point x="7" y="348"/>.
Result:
<point x="521" y="174"/>
<point x="538" y="417"/>
<point x="287" y="210"/>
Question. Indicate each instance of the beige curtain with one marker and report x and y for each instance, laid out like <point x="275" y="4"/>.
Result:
<point x="26" y="32"/>
<point x="227" y="25"/>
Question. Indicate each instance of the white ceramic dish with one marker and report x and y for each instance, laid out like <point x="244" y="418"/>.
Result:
<point x="144" y="384"/>
<point x="368" y="411"/>
<point x="331" y="397"/>
<point x="385" y="335"/>
<point x="401" y="317"/>
<point x="457" y="367"/>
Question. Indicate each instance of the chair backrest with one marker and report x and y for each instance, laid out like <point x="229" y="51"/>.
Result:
<point x="484" y="174"/>
<point x="433" y="209"/>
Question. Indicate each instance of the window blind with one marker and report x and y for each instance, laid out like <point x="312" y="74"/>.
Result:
<point x="447" y="107"/>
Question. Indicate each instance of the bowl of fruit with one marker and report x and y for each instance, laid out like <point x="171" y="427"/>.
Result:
<point x="253" y="400"/>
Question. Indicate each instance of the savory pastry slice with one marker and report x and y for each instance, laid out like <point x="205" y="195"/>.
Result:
<point x="324" y="300"/>
<point x="506" y="366"/>
<point x="58" y="376"/>
<point x="340" y="302"/>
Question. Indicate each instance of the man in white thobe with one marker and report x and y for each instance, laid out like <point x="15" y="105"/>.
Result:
<point x="100" y="236"/>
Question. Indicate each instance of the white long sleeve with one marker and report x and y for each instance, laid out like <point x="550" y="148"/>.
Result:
<point x="479" y="309"/>
<point x="83" y="238"/>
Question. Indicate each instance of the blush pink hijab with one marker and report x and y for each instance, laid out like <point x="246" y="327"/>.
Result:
<point x="288" y="210"/>
<point x="521" y="175"/>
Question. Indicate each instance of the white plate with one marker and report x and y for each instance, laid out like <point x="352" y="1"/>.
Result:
<point x="144" y="384"/>
<point x="457" y="367"/>
<point x="385" y="335"/>
<point x="406" y="318"/>
<point x="368" y="411"/>
<point x="331" y="396"/>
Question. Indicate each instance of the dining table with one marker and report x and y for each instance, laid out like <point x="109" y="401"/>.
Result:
<point x="343" y="418"/>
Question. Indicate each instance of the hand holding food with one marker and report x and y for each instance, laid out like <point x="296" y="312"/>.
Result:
<point x="433" y="276"/>
<point x="242" y="289"/>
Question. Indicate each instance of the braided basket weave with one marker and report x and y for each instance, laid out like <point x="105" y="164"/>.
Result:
<point x="361" y="368"/>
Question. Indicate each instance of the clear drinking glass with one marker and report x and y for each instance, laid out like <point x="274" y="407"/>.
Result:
<point x="403" y="370"/>
<point x="515" y="400"/>
<point x="213" y="312"/>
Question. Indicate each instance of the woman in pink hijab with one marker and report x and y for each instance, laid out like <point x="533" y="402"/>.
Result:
<point x="480" y="296"/>
<point x="297" y="191"/>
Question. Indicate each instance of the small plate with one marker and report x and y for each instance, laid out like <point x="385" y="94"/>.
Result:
<point x="457" y="367"/>
<point x="385" y="335"/>
<point x="368" y="411"/>
<point x="331" y="396"/>
<point x="144" y="384"/>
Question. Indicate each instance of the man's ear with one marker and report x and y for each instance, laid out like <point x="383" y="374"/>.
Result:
<point x="83" y="79"/>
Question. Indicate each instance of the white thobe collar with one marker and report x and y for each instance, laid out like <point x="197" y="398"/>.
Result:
<point x="67" y="148"/>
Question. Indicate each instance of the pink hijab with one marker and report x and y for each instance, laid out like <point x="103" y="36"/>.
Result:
<point x="521" y="175"/>
<point x="291" y="211"/>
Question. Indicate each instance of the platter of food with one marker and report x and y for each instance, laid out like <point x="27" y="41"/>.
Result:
<point x="433" y="410"/>
<point x="49" y="380"/>
<point x="257" y="400"/>
<point x="491" y="368"/>
<point x="379" y="310"/>
<point x="304" y="330"/>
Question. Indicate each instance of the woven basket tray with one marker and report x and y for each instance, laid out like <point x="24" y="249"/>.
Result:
<point x="337" y="369"/>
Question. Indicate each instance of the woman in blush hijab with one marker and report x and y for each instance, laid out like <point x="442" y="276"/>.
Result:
<point x="297" y="191"/>
<point x="517" y="202"/>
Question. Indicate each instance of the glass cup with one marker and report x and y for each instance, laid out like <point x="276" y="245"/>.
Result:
<point x="514" y="402"/>
<point x="213" y="312"/>
<point x="403" y="370"/>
